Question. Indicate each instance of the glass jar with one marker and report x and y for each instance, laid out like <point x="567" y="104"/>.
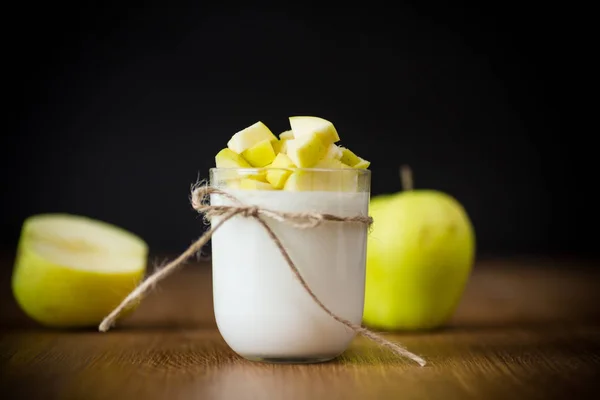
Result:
<point x="262" y="310"/>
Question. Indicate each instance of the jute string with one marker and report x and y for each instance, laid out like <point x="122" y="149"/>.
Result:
<point x="297" y="220"/>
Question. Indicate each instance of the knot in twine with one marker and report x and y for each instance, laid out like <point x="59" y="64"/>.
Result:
<point x="304" y="220"/>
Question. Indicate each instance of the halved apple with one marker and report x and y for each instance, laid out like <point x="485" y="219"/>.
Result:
<point x="72" y="271"/>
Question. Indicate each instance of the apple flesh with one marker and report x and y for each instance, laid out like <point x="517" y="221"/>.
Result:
<point x="420" y="253"/>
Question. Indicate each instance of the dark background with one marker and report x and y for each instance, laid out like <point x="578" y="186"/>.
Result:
<point x="115" y="110"/>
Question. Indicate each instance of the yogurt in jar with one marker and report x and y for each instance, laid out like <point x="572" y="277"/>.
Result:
<point x="262" y="310"/>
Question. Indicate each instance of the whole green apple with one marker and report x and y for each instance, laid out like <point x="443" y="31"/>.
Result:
<point x="420" y="253"/>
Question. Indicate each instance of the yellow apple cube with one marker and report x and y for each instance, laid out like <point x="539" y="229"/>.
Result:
<point x="252" y="184"/>
<point x="277" y="177"/>
<point x="340" y="178"/>
<point x="349" y="158"/>
<point x="362" y="164"/>
<point x="333" y="181"/>
<point x="308" y="126"/>
<point x="286" y="135"/>
<point x="331" y="163"/>
<point x="260" y="154"/>
<point x="280" y="146"/>
<point x="333" y="152"/>
<point x="248" y="137"/>
<point x="227" y="158"/>
<point x="277" y="146"/>
<point x="283" y="138"/>
<point x="307" y="150"/>
<point x="257" y="175"/>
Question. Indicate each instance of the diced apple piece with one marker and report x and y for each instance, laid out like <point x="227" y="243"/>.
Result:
<point x="277" y="146"/>
<point x="340" y="178"/>
<point x="283" y="138"/>
<point x="252" y="184"/>
<point x="286" y="135"/>
<point x="304" y="126"/>
<point x="330" y="163"/>
<point x="307" y="150"/>
<point x="333" y="152"/>
<point x="260" y="154"/>
<point x="280" y="146"/>
<point x="248" y="137"/>
<point x="276" y="176"/>
<point x="348" y="157"/>
<point x="362" y="164"/>
<point x="260" y="175"/>
<point x="283" y="148"/>
<point x="227" y="158"/>
<point x="299" y="181"/>
<point x="337" y="181"/>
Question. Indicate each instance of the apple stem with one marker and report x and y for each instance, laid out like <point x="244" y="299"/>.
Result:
<point x="406" y="177"/>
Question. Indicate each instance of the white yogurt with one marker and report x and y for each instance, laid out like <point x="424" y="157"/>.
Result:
<point x="261" y="309"/>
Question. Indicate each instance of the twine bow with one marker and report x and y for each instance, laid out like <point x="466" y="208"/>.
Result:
<point x="298" y="220"/>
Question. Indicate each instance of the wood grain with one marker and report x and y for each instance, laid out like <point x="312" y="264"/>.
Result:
<point x="525" y="329"/>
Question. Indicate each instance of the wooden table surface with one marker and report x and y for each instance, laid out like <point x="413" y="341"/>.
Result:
<point x="525" y="329"/>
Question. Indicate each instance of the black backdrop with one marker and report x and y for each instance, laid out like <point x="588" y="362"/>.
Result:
<point x="117" y="109"/>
